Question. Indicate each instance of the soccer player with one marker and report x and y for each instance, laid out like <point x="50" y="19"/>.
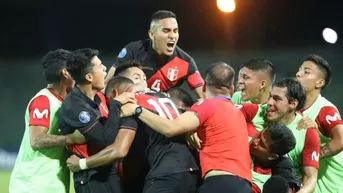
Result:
<point x="40" y="164"/>
<point x="172" y="166"/>
<point x="286" y="98"/>
<point x="169" y="65"/>
<point x="85" y="110"/>
<point x="181" y="98"/>
<point x="267" y="150"/>
<point x="225" y="168"/>
<point x="315" y="74"/>
<point x="255" y="80"/>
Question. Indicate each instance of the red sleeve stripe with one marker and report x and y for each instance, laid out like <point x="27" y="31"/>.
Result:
<point x="91" y="127"/>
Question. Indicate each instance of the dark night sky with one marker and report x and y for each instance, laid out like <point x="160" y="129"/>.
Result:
<point x="32" y="28"/>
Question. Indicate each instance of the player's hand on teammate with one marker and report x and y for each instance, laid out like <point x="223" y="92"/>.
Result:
<point x="126" y="97"/>
<point x="73" y="163"/>
<point x="76" y="138"/>
<point x="128" y="110"/>
<point x="194" y="141"/>
<point x="306" y="123"/>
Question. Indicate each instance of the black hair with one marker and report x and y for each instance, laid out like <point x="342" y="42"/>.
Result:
<point x="295" y="91"/>
<point x="126" y="65"/>
<point x="80" y="63"/>
<point x="116" y="83"/>
<point x="260" y="64"/>
<point x="181" y="95"/>
<point x="52" y="63"/>
<point x="323" y="66"/>
<point x="282" y="138"/>
<point x="162" y="14"/>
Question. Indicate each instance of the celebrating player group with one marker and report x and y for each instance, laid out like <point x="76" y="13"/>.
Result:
<point x="133" y="130"/>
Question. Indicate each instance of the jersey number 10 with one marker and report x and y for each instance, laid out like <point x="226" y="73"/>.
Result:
<point x="162" y="109"/>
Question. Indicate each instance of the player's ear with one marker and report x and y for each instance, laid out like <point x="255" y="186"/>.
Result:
<point x="151" y="34"/>
<point x="320" y="83"/>
<point x="89" y="77"/>
<point x="65" y="74"/>
<point x="115" y="93"/>
<point x="273" y="156"/>
<point x="294" y="103"/>
<point x="232" y="89"/>
<point x="204" y="87"/>
<point x="263" y="84"/>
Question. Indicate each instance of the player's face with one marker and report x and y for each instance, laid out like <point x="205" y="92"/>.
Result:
<point x="278" y="104"/>
<point x="310" y="76"/>
<point x="166" y="36"/>
<point x="98" y="74"/>
<point x="249" y="83"/>
<point x="137" y="76"/>
<point x="260" y="146"/>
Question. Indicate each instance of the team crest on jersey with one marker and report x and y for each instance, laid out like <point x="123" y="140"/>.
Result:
<point x="122" y="53"/>
<point x="84" y="117"/>
<point x="172" y="74"/>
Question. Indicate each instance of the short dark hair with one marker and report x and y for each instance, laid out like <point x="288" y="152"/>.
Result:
<point x="80" y="63"/>
<point x="52" y="63"/>
<point x="129" y="64"/>
<point x="116" y="83"/>
<point x="181" y="95"/>
<point x="282" y="138"/>
<point x="295" y="91"/>
<point x="276" y="184"/>
<point x="220" y="75"/>
<point x="323" y="66"/>
<point x="260" y="64"/>
<point x="162" y="14"/>
<point x="126" y="65"/>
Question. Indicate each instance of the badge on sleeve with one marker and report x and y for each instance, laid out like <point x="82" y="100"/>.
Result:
<point x="122" y="53"/>
<point x="84" y="117"/>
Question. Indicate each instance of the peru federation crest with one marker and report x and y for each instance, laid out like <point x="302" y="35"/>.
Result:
<point x="172" y="74"/>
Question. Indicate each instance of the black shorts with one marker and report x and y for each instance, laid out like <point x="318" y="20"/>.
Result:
<point x="183" y="182"/>
<point x="225" y="183"/>
<point x="103" y="184"/>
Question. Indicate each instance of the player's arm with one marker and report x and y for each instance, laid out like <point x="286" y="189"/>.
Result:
<point x="117" y="150"/>
<point x="39" y="110"/>
<point x="331" y="125"/>
<point x="185" y="123"/>
<point x="310" y="160"/>
<point x="249" y="110"/>
<point x="124" y="55"/>
<point x="194" y="79"/>
<point x="90" y="126"/>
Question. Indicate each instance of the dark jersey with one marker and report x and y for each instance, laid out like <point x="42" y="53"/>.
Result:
<point x="164" y="74"/>
<point x="95" y="121"/>
<point x="165" y="155"/>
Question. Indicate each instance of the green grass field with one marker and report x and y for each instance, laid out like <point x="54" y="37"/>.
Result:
<point x="5" y="179"/>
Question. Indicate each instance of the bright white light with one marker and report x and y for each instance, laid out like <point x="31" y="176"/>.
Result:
<point x="330" y="35"/>
<point x="226" y="6"/>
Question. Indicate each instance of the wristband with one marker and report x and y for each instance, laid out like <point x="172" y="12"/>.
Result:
<point x="83" y="164"/>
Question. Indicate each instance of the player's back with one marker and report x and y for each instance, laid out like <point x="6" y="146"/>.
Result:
<point x="224" y="136"/>
<point x="165" y="155"/>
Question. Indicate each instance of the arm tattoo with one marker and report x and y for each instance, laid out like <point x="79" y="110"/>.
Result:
<point x="326" y="151"/>
<point x="45" y="141"/>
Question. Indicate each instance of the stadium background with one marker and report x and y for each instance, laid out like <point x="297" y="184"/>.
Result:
<point x="284" y="31"/>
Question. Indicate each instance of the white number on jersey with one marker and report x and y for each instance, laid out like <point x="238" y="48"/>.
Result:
<point x="156" y="86"/>
<point x="161" y="107"/>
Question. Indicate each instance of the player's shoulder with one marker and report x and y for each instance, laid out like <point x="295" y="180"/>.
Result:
<point x="138" y="45"/>
<point x="182" y="54"/>
<point x="39" y="101"/>
<point x="149" y="93"/>
<point x="325" y="102"/>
